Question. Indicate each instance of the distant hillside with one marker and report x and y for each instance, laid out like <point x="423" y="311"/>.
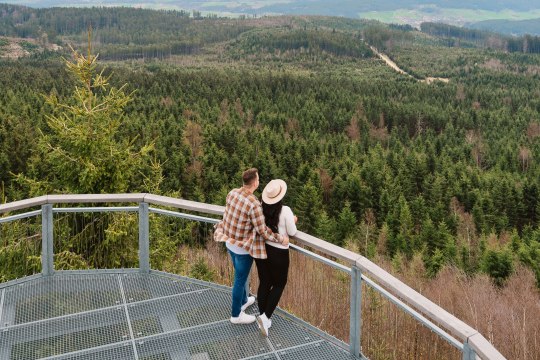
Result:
<point x="518" y="27"/>
<point x="316" y="7"/>
<point x="123" y="33"/>
<point x="454" y="35"/>
<point x="411" y="12"/>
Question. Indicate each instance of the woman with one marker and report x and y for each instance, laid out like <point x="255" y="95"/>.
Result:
<point x="274" y="269"/>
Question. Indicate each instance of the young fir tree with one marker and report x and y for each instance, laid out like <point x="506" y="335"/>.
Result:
<point x="498" y="265"/>
<point x="308" y="207"/>
<point x="346" y="224"/>
<point x="326" y="227"/>
<point x="82" y="150"/>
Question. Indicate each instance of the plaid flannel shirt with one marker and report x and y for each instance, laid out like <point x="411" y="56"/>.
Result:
<point x="243" y="217"/>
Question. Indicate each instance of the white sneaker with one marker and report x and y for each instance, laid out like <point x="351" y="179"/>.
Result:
<point x="243" y="318"/>
<point x="250" y="301"/>
<point x="263" y="323"/>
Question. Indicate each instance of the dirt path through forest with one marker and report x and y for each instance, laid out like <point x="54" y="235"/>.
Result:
<point x="394" y="66"/>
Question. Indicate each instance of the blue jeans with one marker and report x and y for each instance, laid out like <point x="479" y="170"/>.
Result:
<point x="242" y="267"/>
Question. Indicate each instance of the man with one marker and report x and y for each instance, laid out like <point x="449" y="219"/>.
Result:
<point x="243" y="217"/>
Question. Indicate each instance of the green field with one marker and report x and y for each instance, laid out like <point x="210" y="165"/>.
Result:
<point x="450" y="16"/>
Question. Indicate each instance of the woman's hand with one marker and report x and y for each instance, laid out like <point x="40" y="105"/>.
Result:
<point x="295" y="219"/>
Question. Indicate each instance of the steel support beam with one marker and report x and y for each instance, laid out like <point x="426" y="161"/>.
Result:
<point x="468" y="352"/>
<point x="355" y="330"/>
<point x="144" y="238"/>
<point x="47" y="252"/>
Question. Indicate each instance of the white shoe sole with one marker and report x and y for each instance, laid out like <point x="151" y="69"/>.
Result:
<point x="243" y="322"/>
<point x="261" y="326"/>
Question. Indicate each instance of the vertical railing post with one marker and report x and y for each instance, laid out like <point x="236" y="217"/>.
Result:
<point x="355" y="331"/>
<point x="144" y="238"/>
<point x="468" y="352"/>
<point x="47" y="252"/>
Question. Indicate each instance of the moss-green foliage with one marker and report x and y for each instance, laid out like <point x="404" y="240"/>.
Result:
<point x="20" y="249"/>
<point x="80" y="151"/>
<point x="529" y="252"/>
<point x="20" y="257"/>
<point x="28" y="46"/>
<point x="3" y="43"/>
<point x="498" y="265"/>
<point x="200" y="270"/>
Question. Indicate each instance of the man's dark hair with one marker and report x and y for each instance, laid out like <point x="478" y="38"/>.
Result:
<point x="249" y="176"/>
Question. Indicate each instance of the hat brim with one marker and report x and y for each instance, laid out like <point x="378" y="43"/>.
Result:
<point x="272" y="200"/>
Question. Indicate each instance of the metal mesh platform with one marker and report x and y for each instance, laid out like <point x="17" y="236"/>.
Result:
<point x="99" y="316"/>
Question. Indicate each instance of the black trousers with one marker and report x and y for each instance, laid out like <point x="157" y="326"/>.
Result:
<point x="273" y="273"/>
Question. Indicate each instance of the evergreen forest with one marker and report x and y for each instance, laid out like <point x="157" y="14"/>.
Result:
<point x="394" y="167"/>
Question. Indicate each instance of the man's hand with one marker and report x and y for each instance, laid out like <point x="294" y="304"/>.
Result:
<point x="295" y="219"/>
<point x="285" y="241"/>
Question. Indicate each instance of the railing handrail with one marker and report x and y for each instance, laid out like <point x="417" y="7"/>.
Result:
<point x="113" y="198"/>
<point x="410" y="296"/>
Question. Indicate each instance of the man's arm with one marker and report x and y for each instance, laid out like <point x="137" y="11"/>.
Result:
<point x="218" y="232"/>
<point x="257" y="219"/>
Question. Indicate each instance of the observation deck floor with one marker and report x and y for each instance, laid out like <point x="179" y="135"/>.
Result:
<point x="124" y="315"/>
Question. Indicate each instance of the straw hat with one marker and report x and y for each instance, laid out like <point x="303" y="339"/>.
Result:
<point x="274" y="191"/>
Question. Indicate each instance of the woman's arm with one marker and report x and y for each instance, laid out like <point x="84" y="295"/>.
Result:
<point x="290" y="223"/>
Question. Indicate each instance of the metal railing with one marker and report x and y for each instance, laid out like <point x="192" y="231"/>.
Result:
<point x="362" y="272"/>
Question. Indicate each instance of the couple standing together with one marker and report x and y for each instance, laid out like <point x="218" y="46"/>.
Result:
<point x="252" y="230"/>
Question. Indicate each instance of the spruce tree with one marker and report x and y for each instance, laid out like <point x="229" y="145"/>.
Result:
<point x="346" y="224"/>
<point x="308" y="207"/>
<point x="498" y="265"/>
<point x="326" y="228"/>
<point x="82" y="150"/>
<point x="405" y="234"/>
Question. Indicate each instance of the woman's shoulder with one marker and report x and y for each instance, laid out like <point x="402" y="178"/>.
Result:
<point x="286" y="211"/>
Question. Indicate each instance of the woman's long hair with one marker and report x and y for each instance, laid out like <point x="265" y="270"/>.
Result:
<point x="271" y="215"/>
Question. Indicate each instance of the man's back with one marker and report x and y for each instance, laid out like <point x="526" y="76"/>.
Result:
<point x="237" y="218"/>
<point x="242" y="218"/>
